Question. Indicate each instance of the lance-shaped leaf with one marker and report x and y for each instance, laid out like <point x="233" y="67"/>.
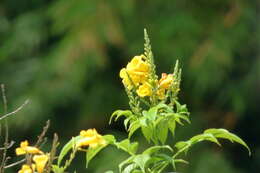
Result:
<point x="209" y="135"/>
<point x="67" y="147"/>
<point x="93" y="151"/>
<point x="117" y="114"/>
<point x="127" y="146"/>
<point x="225" y="134"/>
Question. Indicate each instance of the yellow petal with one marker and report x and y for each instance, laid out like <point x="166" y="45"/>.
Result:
<point x="20" y="151"/>
<point x="165" y="80"/>
<point x="33" y="150"/>
<point x="24" y="144"/>
<point x="26" y="169"/>
<point x="144" y="90"/>
<point x="40" y="161"/>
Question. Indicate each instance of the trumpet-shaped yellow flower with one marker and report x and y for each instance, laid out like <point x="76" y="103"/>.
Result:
<point x="165" y="81"/>
<point x="90" y="138"/>
<point x="25" y="148"/>
<point x="27" y="169"/>
<point x="144" y="90"/>
<point x="40" y="161"/>
<point x="137" y="70"/>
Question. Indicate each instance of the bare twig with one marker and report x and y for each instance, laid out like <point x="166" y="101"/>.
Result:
<point x="15" y="111"/>
<point x="52" y="153"/>
<point x="4" y="156"/>
<point x="9" y="145"/>
<point x="15" y="163"/>
<point x="41" y="136"/>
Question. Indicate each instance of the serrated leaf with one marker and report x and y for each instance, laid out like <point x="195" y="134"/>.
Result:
<point x="225" y="134"/>
<point x="67" y="147"/>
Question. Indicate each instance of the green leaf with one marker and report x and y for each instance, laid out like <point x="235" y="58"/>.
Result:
<point x="67" y="147"/>
<point x="126" y="162"/>
<point x="92" y="152"/>
<point x="181" y="161"/>
<point x="147" y="132"/>
<point x="130" y="168"/>
<point x="126" y="121"/>
<point x="109" y="172"/>
<point x="141" y="161"/>
<point x="203" y="137"/>
<point x="155" y="149"/>
<point x="183" y="146"/>
<point x="162" y="131"/>
<point x="57" y="169"/>
<point x="119" y="113"/>
<point x="110" y="139"/>
<point x="172" y="126"/>
<point x="133" y="127"/>
<point x="127" y="146"/>
<point x="225" y="134"/>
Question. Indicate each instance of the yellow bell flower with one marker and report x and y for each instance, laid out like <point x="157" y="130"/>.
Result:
<point x="27" y="169"/>
<point x="137" y="70"/>
<point x="40" y="161"/>
<point x="165" y="81"/>
<point x="25" y="148"/>
<point x="126" y="81"/>
<point x="90" y="138"/>
<point x="144" y="90"/>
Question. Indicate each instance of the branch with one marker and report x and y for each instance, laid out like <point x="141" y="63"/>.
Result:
<point x="15" y="111"/>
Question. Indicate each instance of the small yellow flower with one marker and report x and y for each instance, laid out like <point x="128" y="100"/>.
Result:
<point x="137" y="70"/>
<point x="165" y="81"/>
<point x="126" y="81"/>
<point x="40" y="161"/>
<point x="144" y="90"/>
<point x="161" y="94"/>
<point x="90" y="138"/>
<point x="25" y="148"/>
<point x="27" y="169"/>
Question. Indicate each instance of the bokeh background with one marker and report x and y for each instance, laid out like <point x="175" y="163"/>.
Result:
<point x="65" y="56"/>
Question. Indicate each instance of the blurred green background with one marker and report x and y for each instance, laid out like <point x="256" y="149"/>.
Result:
<point x="65" y="56"/>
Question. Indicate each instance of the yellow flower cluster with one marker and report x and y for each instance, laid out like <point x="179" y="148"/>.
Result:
<point x="136" y="74"/>
<point x="40" y="159"/>
<point x="90" y="138"/>
<point x="164" y="84"/>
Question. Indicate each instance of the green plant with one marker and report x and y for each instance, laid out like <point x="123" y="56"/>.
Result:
<point x="155" y="110"/>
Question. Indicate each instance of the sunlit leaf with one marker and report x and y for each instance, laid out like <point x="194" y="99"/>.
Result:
<point x="225" y="134"/>
<point x="127" y="146"/>
<point x="67" y="147"/>
<point x="118" y="113"/>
